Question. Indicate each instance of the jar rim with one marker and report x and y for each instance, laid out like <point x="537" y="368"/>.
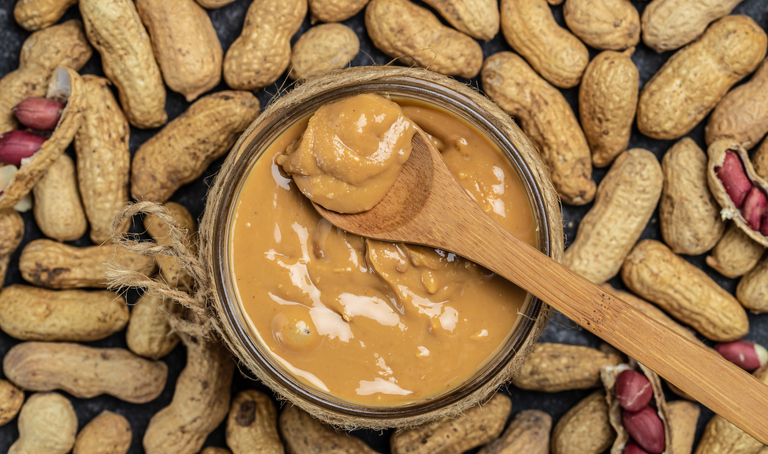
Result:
<point x="404" y="83"/>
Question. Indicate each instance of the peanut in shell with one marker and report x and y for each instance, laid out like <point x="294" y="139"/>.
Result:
<point x="682" y="419"/>
<point x="115" y="29"/>
<point x="607" y="104"/>
<point x="184" y="148"/>
<point x="45" y="50"/>
<point x="170" y="269"/>
<point x="547" y="118"/>
<point x="477" y="18"/>
<point x="735" y="254"/>
<point x="334" y="10"/>
<point x="31" y="313"/>
<point x="688" y="213"/>
<point x="186" y="48"/>
<point x="625" y="202"/>
<point x="47" y="424"/>
<point x="38" y="14"/>
<point x="528" y="432"/>
<point x="670" y="24"/>
<point x="657" y="274"/>
<point x="103" y="158"/>
<point x="585" y="428"/>
<point x="58" y="210"/>
<point x="149" y="332"/>
<point x="321" y="49"/>
<point x="752" y="291"/>
<point x="252" y="424"/>
<point x="742" y="114"/>
<point x="11" y="233"/>
<point x="11" y="400"/>
<point x="303" y="433"/>
<point x="693" y="80"/>
<point x="760" y="160"/>
<point x="107" y="433"/>
<point x="51" y="264"/>
<point x="416" y="37"/>
<point x="530" y="28"/>
<point x="604" y="24"/>
<point x="559" y="367"/>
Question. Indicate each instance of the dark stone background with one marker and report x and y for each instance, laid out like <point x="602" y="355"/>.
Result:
<point x="228" y="22"/>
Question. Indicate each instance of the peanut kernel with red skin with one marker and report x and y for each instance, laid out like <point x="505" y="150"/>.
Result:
<point x="646" y="428"/>
<point x="42" y="114"/>
<point x="755" y="206"/>
<point x="632" y="448"/>
<point x="18" y="145"/>
<point x="734" y="180"/>
<point x="747" y="355"/>
<point x="633" y="390"/>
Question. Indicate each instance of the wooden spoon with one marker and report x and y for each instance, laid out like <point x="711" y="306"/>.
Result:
<point x="428" y="206"/>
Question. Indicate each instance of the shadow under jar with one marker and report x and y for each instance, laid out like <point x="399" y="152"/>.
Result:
<point x="251" y="323"/>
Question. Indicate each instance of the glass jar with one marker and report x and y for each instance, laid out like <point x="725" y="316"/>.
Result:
<point x="412" y="84"/>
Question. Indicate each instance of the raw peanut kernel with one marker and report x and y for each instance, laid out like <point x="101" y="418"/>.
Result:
<point x="747" y="355"/>
<point x="18" y="145"/>
<point x="735" y="181"/>
<point x="633" y="390"/>
<point x="39" y="113"/>
<point x="632" y="448"/>
<point x="646" y="429"/>
<point x="764" y="228"/>
<point x="754" y="208"/>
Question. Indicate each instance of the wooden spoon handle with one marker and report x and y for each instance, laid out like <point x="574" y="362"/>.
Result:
<point x="716" y="383"/>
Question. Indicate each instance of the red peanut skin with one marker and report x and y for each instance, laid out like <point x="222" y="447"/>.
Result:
<point x="646" y="428"/>
<point x="632" y="448"/>
<point x="633" y="390"/>
<point x="755" y="206"/>
<point x="764" y="228"/>
<point x="42" y="114"/>
<point x="735" y="181"/>
<point x="17" y="145"/>
<point x="742" y="353"/>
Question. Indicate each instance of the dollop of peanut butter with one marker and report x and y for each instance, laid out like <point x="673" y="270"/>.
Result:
<point x="351" y="153"/>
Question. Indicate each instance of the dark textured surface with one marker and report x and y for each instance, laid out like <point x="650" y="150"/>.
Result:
<point x="228" y="22"/>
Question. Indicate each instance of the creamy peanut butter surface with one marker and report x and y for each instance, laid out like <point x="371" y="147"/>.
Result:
<point x="370" y="322"/>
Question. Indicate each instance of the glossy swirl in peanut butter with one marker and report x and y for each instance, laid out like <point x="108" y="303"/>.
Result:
<point x="370" y="322"/>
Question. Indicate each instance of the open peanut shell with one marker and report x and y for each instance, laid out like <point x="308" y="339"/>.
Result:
<point x="66" y="86"/>
<point x="716" y="153"/>
<point x="609" y="375"/>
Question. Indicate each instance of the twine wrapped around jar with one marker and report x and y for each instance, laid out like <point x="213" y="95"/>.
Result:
<point x="209" y="314"/>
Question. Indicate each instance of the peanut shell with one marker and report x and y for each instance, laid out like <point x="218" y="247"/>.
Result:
<point x="682" y="419"/>
<point x="528" y="432"/>
<point x="149" y="332"/>
<point x="107" y="433"/>
<point x="66" y="86"/>
<point x="752" y="291"/>
<point x="200" y="401"/>
<point x="213" y="4"/>
<point x="547" y="118"/>
<point x="735" y="253"/>
<point x="58" y="209"/>
<point x="657" y="274"/>
<point x="11" y="400"/>
<point x="694" y="79"/>
<point x="304" y="434"/>
<point x="742" y="114"/>
<point x="625" y="201"/>
<point x="555" y="53"/>
<point x="11" y="233"/>
<point x="50" y="264"/>
<point x="670" y="24"/>
<point x="47" y="424"/>
<point x="560" y="367"/>
<point x="103" y="158"/>
<point x="585" y="429"/>
<point x="31" y="313"/>
<point x="416" y="37"/>
<point x="38" y="14"/>
<point x="186" y="48"/>
<point x="115" y="29"/>
<point x="760" y="160"/>
<point x="609" y="377"/>
<point x="607" y="104"/>
<point x="717" y="152"/>
<point x="84" y="372"/>
<point x="170" y="269"/>
<point x="604" y="24"/>
<point x="263" y="50"/>
<point x="252" y="424"/>
<point x="61" y="45"/>
<point x="321" y="49"/>
<point x="475" y="427"/>
<point x="722" y="437"/>
<point x="688" y="213"/>
<point x="477" y="18"/>
<point x="335" y="10"/>
<point x="182" y="150"/>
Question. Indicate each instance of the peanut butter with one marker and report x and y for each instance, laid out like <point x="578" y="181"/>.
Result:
<point x="370" y="322"/>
